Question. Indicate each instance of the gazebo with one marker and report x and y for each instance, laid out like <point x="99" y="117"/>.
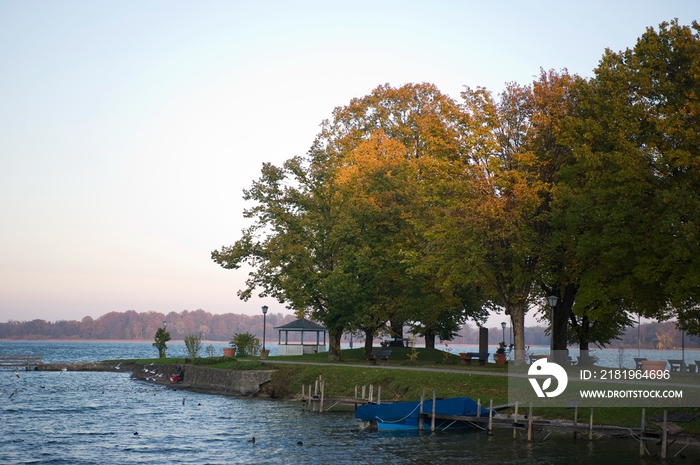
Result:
<point x="301" y="347"/>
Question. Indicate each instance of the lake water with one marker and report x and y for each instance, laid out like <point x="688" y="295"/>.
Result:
<point x="92" y="418"/>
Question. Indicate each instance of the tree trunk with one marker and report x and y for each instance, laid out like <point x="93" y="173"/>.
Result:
<point x="559" y="323"/>
<point x="517" y="318"/>
<point x="584" y="358"/>
<point x="430" y="341"/>
<point x="562" y="314"/>
<point x="369" y="340"/>
<point x="334" y="345"/>
<point x="396" y="328"/>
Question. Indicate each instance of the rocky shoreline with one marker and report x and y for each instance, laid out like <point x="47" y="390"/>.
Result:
<point x="196" y="378"/>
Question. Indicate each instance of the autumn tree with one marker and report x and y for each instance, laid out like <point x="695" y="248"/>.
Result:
<point x="331" y="235"/>
<point x="425" y="125"/>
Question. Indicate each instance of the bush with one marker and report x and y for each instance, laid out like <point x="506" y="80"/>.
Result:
<point x="210" y="350"/>
<point x="161" y="337"/>
<point x="245" y="344"/>
<point x="193" y="344"/>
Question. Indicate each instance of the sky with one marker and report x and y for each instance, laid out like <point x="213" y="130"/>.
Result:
<point x="129" y="129"/>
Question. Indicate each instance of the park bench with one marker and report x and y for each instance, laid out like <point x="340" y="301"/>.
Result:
<point x="675" y="364"/>
<point x="395" y="342"/>
<point x="381" y="355"/>
<point x="26" y="361"/>
<point x="467" y="357"/>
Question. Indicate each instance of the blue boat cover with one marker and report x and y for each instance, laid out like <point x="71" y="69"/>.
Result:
<point x="406" y="413"/>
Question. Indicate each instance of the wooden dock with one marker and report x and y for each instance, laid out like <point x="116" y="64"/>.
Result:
<point x="525" y="426"/>
<point x="531" y="426"/>
<point x="20" y="360"/>
<point x="318" y="402"/>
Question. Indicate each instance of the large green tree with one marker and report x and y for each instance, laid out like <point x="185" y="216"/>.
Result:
<point x="630" y="203"/>
<point x="294" y="246"/>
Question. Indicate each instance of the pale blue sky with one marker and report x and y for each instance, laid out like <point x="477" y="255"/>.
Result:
<point x="128" y="129"/>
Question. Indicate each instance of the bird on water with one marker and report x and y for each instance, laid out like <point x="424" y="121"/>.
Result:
<point x="252" y="440"/>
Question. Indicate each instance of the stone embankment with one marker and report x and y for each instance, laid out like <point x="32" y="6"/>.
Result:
<point x="196" y="378"/>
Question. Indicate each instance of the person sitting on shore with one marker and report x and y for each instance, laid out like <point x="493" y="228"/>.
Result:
<point x="178" y="376"/>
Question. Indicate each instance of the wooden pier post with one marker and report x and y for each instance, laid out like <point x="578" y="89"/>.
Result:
<point x="310" y="406"/>
<point x="323" y="388"/>
<point x="490" y="431"/>
<point x="371" y="392"/>
<point x="316" y="394"/>
<point x="478" y="408"/>
<point x="363" y="391"/>
<point x="664" y="435"/>
<point x="529" y="424"/>
<point x="356" y="392"/>
<point x="432" y="420"/>
<point x="515" y="420"/>
<point x="590" y="426"/>
<point x="420" y="414"/>
<point x="641" y="435"/>
<point x="379" y="395"/>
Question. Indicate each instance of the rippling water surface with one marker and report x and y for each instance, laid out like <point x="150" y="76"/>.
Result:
<point x="91" y="418"/>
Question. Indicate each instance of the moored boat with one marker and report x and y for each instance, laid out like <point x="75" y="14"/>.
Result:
<point x="406" y="415"/>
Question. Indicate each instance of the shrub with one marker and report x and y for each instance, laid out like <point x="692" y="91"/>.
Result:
<point x="210" y="350"/>
<point x="161" y="337"/>
<point x="245" y="344"/>
<point x="193" y="344"/>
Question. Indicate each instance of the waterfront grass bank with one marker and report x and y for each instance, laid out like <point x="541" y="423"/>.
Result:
<point x="429" y="369"/>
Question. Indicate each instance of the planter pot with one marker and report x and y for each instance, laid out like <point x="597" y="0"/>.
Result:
<point x="653" y="365"/>
<point x="500" y="359"/>
<point x="264" y="353"/>
<point x="229" y="352"/>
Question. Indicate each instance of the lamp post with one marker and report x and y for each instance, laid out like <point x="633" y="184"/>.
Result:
<point x="682" y="351"/>
<point x="165" y="323"/>
<point x="552" y="299"/>
<point x="264" y="310"/>
<point x="503" y="327"/>
<point x="639" y="333"/>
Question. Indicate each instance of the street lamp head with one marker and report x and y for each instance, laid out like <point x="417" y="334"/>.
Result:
<point x="165" y="323"/>
<point x="503" y="325"/>
<point x="552" y="299"/>
<point x="264" y="309"/>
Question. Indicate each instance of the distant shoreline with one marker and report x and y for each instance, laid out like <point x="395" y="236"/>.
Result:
<point x="104" y="340"/>
<point x="437" y="346"/>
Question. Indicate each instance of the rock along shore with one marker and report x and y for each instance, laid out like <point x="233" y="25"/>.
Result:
<point x="196" y="378"/>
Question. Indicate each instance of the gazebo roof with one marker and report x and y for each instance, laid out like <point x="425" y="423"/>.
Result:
<point x="302" y="324"/>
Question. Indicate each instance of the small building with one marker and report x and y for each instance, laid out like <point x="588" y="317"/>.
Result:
<point x="313" y="343"/>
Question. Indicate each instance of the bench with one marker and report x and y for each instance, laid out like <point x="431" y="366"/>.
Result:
<point x="26" y="361"/>
<point x="465" y="358"/>
<point x="381" y="355"/>
<point x="395" y="342"/>
<point x="675" y="364"/>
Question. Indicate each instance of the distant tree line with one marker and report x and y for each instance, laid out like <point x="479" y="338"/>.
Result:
<point x="131" y="325"/>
